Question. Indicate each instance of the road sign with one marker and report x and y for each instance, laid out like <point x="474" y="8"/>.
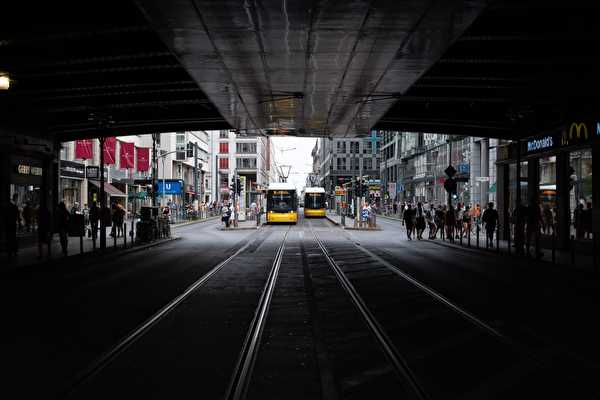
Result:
<point x="464" y="168"/>
<point x="482" y="178"/>
<point x="364" y="214"/>
<point x="450" y="171"/>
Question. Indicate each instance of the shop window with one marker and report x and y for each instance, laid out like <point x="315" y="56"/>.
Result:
<point x="547" y="193"/>
<point x="223" y="148"/>
<point x="580" y="193"/>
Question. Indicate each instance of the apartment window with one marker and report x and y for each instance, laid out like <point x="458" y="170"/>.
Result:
<point x="354" y="164"/>
<point x="223" y="163"/>
<point x="354" y="147"/>
<point x="224" y="135"/>
<point x="368" y="148"/>
<point x="180" y="146"/>
<point x="341" y="163"/>
<point x="246" y="163"/>
<point x="368" y="163"/>
<point x="223" y="148"/>
<point x="223" y="181"/>
<point x="341" y="147"/>
<point x="245" y="148"/>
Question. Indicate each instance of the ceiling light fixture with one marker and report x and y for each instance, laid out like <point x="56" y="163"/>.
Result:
<point x="4" y="81"/>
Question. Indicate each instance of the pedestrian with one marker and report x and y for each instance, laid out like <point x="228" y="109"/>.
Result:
<point x="12" y="221"/>
<point x="458" y="220"/>
<point x="450" y="222"/>
<point x="440" y="220"/>
<point x="119" y="219"/>
<point x="490" y="221"/>
<point x="226" y="215"/>
<point x="44" y="230"/>
<point x="466" y="221"/>
<point x="409" y="221"/>
<point x="430" y="219"/>
<point x="587" y="221"/>
<point x="548" y="219"/>
<point x="420" y="221"/>
<point x="28" y="216"/>
<point x="62" y="226"/>
<point x="94" y="220"/>
<point x="395" y="208"/>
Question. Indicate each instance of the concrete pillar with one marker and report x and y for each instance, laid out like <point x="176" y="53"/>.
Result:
<point x="596" y="192"/>
<point x="475" y="172"/>
<point x="533" y="181"/>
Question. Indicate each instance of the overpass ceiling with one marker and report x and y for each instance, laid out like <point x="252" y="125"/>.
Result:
<point x="307" y="68"/>
<point x="523" y="67"/>
<point x="69" y="59"/>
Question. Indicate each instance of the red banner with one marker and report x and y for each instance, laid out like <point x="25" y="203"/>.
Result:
<point x="84" y="149"/>
<point x="110" y="146"/>
<point x="143" y="159"/>
<point x="126" y="155"/>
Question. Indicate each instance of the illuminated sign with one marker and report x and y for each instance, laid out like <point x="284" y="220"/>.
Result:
<point x="25" y="169"/>
<point x="544" y="143"/>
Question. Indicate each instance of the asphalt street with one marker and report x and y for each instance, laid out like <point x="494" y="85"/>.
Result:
<point x="352" y="315"/>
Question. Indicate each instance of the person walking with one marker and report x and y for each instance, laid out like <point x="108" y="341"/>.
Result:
<point x="226" y="215"/>
<point x="409" y="221"/>
<point x="420" y="221"/>
<point x="450" y="223"/>
<point x="440" y="219"/>
<point x="62" y="226"/>
<point x="490" y="221"/>
<point x="94" y="220"/>
<point x="430" y="219"/>
<point x="28" y="216"/>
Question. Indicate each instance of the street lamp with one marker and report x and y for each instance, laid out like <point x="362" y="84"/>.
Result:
<point x="163" y="156"/>
<point x="4" y="81"/>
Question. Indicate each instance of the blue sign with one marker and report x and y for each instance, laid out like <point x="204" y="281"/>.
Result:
<point x="464" y="168"/>
<point x="171" y="186"/>
<point x="399" y="188"/>
<point x="537" y="144"/>
<point x="364" y="214"/>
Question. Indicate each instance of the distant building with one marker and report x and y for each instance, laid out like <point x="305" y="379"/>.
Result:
<point x="251" y="157"/>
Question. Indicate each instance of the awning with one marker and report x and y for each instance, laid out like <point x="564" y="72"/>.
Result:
<point x="109" y="189"/>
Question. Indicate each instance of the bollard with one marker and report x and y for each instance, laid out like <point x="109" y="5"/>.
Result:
<point x="572" y="248"/>
<point x="81" y="244"/>
<point x="124" y="235"/>
<point x="553" y="245"/>
<point x="469" y="237"/>
<point x="477" y="235"/>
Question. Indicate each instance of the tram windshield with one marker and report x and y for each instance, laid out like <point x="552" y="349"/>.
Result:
<point x="281" y="201"/>
<point x="314" y="200"/>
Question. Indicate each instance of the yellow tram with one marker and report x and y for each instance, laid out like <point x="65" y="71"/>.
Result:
<point x="282" y="203"/>
<point x="314" y="202"/>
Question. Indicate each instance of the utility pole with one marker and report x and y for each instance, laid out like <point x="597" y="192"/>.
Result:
<point x="102" y="198"/>
<point x="195" y="171"/>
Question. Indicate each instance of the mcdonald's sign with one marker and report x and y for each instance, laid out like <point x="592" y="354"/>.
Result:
<point x="578" y="131"/>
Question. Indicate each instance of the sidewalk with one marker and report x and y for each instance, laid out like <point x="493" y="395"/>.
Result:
<point x="567" y="258"/>
<point x="348" y="223"/>
<point x="28" y="253"/>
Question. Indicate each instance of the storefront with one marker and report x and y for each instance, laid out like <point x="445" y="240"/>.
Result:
<point x="27" y="176"/>
<point x="555" y="177"/>
<point x="71" y="191"/>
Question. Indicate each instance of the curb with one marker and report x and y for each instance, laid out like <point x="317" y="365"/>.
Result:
<point x="349" y="228"/>
<point x="175" y="226"/>
<point x="243" y="228"/>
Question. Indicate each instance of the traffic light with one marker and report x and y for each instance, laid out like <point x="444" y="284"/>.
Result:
<point x="232" y="187"/>
<point x="189" y="150"/>
<point x="238" y="186"/>
<point x="365" y="189"/>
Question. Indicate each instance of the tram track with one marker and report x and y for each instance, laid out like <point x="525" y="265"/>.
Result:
<point x="103" y="361"/>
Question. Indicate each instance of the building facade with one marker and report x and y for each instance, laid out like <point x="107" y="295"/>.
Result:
<point x="249" y="157"/>
<point x="337" y="161"/>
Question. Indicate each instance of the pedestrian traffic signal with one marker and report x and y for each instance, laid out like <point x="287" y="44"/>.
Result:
<point x="238" y="186"/>
<point x="189" y="151"/>
<point x="232" y="187"/>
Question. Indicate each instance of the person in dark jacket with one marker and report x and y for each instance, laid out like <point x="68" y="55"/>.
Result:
<point x="420" y="221"/>
<point x="94" y="219"/>
<point x="62" y="226"/>
<point x="490" y="220"/>
<point x="409" y="221"/>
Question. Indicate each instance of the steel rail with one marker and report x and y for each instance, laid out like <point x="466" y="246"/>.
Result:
<point x="101" y="362"/>
<point x="242" y="374"/>
<point x="400" y="365"/>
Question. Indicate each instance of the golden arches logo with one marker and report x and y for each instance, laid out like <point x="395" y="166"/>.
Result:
<point x="578" y="129"/>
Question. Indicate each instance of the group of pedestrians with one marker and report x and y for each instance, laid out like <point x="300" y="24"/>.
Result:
<point x="447" y="221"/>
